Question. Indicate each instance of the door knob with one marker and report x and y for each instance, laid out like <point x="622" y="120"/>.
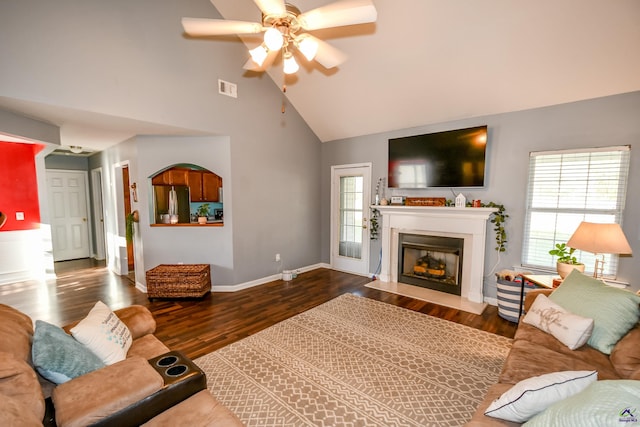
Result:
<point x="84" y="219"/>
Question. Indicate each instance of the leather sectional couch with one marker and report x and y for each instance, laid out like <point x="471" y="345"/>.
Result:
<point x="535" y="352"/>
<point x="129" y="392"/>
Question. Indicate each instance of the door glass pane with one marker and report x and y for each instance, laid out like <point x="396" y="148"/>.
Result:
<point x="351" y="211"/>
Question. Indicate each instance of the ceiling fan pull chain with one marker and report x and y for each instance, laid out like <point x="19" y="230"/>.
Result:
<point x="284" y="90"/>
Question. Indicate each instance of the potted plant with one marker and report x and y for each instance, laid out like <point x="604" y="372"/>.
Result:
<point x="566" y="261"/>
<point x="203" y="213"/>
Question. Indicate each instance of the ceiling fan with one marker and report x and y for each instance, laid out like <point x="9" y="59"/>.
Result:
<point x="285" y="27"/>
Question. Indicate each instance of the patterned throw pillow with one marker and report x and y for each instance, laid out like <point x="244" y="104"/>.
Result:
<point x="104" y="334"/>
<point x="568" y="328"/>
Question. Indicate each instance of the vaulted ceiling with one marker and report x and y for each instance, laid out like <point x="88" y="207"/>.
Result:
<point x="431" y="61"/>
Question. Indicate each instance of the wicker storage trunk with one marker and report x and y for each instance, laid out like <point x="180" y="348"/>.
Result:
<point x="178" y="280"/>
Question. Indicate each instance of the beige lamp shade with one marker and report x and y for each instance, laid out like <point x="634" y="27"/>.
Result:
<point x="600" y="239"/>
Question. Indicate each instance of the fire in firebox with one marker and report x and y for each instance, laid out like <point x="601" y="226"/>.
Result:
<point x="428" y="266"/>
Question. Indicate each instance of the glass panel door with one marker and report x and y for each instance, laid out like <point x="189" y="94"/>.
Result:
<point x="351" y="215"/>
<point x="350" y="200"/>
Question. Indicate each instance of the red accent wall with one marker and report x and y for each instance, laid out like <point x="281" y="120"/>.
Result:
<point x="19" y="185"/>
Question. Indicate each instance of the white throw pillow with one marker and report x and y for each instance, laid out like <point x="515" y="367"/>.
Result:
<point x="533" y="395"/>
<point x="104" y="334"/>
<point x="570" y="329"/>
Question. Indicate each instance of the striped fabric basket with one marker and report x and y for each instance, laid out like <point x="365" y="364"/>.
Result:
<point x="509" y="298"/>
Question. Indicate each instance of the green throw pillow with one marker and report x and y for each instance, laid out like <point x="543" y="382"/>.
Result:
<point x="614" y="311"/>
<point x="58" y="357"/>
<point x="603" y="403"/>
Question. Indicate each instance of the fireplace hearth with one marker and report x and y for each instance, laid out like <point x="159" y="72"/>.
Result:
<point x="433" y="262"/>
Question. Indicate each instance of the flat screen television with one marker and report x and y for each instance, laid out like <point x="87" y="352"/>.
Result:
<point x="454" y="158"/>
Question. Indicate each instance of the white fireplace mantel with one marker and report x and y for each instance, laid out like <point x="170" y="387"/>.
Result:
<point x="469" y="224"/>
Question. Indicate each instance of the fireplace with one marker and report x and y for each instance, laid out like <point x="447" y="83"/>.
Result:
<point x="466" y="224"/>
<point x="433" y="262"/>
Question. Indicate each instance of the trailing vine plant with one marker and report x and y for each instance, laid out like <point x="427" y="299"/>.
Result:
<point x="498" y="219"/>
<point x="130" y="219"/>
<point x="374" y="228"/>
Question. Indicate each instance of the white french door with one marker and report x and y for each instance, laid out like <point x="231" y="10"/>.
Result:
<point x="67" y="194"/>
<point x="350" y="200"/>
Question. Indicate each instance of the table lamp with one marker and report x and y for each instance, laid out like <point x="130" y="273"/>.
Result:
<point x="599" y="239"/>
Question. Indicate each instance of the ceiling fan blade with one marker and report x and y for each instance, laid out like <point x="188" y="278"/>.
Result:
<point x="328" y="56"/>
<point x="349" y="12"/>
<point x="271" y="7"/>
<point x="218" y="27"/>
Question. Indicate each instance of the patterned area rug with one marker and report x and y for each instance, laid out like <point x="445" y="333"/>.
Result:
<point x="359" y="362"/>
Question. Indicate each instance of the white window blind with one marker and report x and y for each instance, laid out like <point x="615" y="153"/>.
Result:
<point x="566" y="188"/>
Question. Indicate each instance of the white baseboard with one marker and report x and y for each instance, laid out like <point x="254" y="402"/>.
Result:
<point x="263" y="280"/>
<point x="142" y="288"/>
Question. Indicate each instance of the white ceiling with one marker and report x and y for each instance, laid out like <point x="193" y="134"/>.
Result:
<point x="430" y="61"/>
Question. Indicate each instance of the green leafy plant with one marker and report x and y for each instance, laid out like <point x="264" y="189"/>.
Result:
<point x="374" y="229"/>
<point x="564" y="254"/>
<point x="130" y="219"/>
<point x="498" y="219"/>
<point x="203" y="210"/>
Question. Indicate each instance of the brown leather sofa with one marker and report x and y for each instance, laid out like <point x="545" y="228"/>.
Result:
<point x="535" y="352"/>
<point x="129" y="392"/>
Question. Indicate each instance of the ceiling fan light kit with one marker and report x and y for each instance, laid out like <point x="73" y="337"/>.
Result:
<point x="290" y="64"/>
<point x="281" y="23"/>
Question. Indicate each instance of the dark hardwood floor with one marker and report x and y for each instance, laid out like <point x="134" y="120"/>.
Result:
<point x="197" y="327"/>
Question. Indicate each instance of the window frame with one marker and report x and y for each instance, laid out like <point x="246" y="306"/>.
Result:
<point x="594" y="176"/>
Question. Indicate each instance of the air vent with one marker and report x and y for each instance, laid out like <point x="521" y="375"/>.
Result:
<point x="226" y="88"/>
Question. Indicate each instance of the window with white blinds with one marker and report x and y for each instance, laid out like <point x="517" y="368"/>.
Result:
<point x="566" y="188"/>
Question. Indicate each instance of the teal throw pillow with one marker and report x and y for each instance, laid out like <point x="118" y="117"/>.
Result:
<point x="58" y="357"/>
<point x="614" y="311"/>
<point x="603" y="403"/>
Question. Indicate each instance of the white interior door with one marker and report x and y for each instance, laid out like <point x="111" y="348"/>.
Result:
<point x="350" y="200"/>
<point x="67" y="193"/>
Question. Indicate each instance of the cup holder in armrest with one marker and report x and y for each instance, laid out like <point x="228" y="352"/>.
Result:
<point x="165" y="361"/>
<point x="182" y="379"/>
<point x="176" y="371"/>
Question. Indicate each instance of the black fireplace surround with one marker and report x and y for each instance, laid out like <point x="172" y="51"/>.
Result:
<point x="433" y="262"/>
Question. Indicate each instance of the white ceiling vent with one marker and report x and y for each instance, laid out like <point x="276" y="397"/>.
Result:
<point x="227" y="88"/>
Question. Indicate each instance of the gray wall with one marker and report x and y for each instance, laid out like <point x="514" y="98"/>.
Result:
<point x="599" y="122"/>
<point x="25" y="127"/>
<point x="157" y="75"/>
<point x="56" y="161"/>
<point x="190" y="245"/>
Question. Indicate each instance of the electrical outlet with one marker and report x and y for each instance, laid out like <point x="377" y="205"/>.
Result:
<point x="277" y="257"/>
